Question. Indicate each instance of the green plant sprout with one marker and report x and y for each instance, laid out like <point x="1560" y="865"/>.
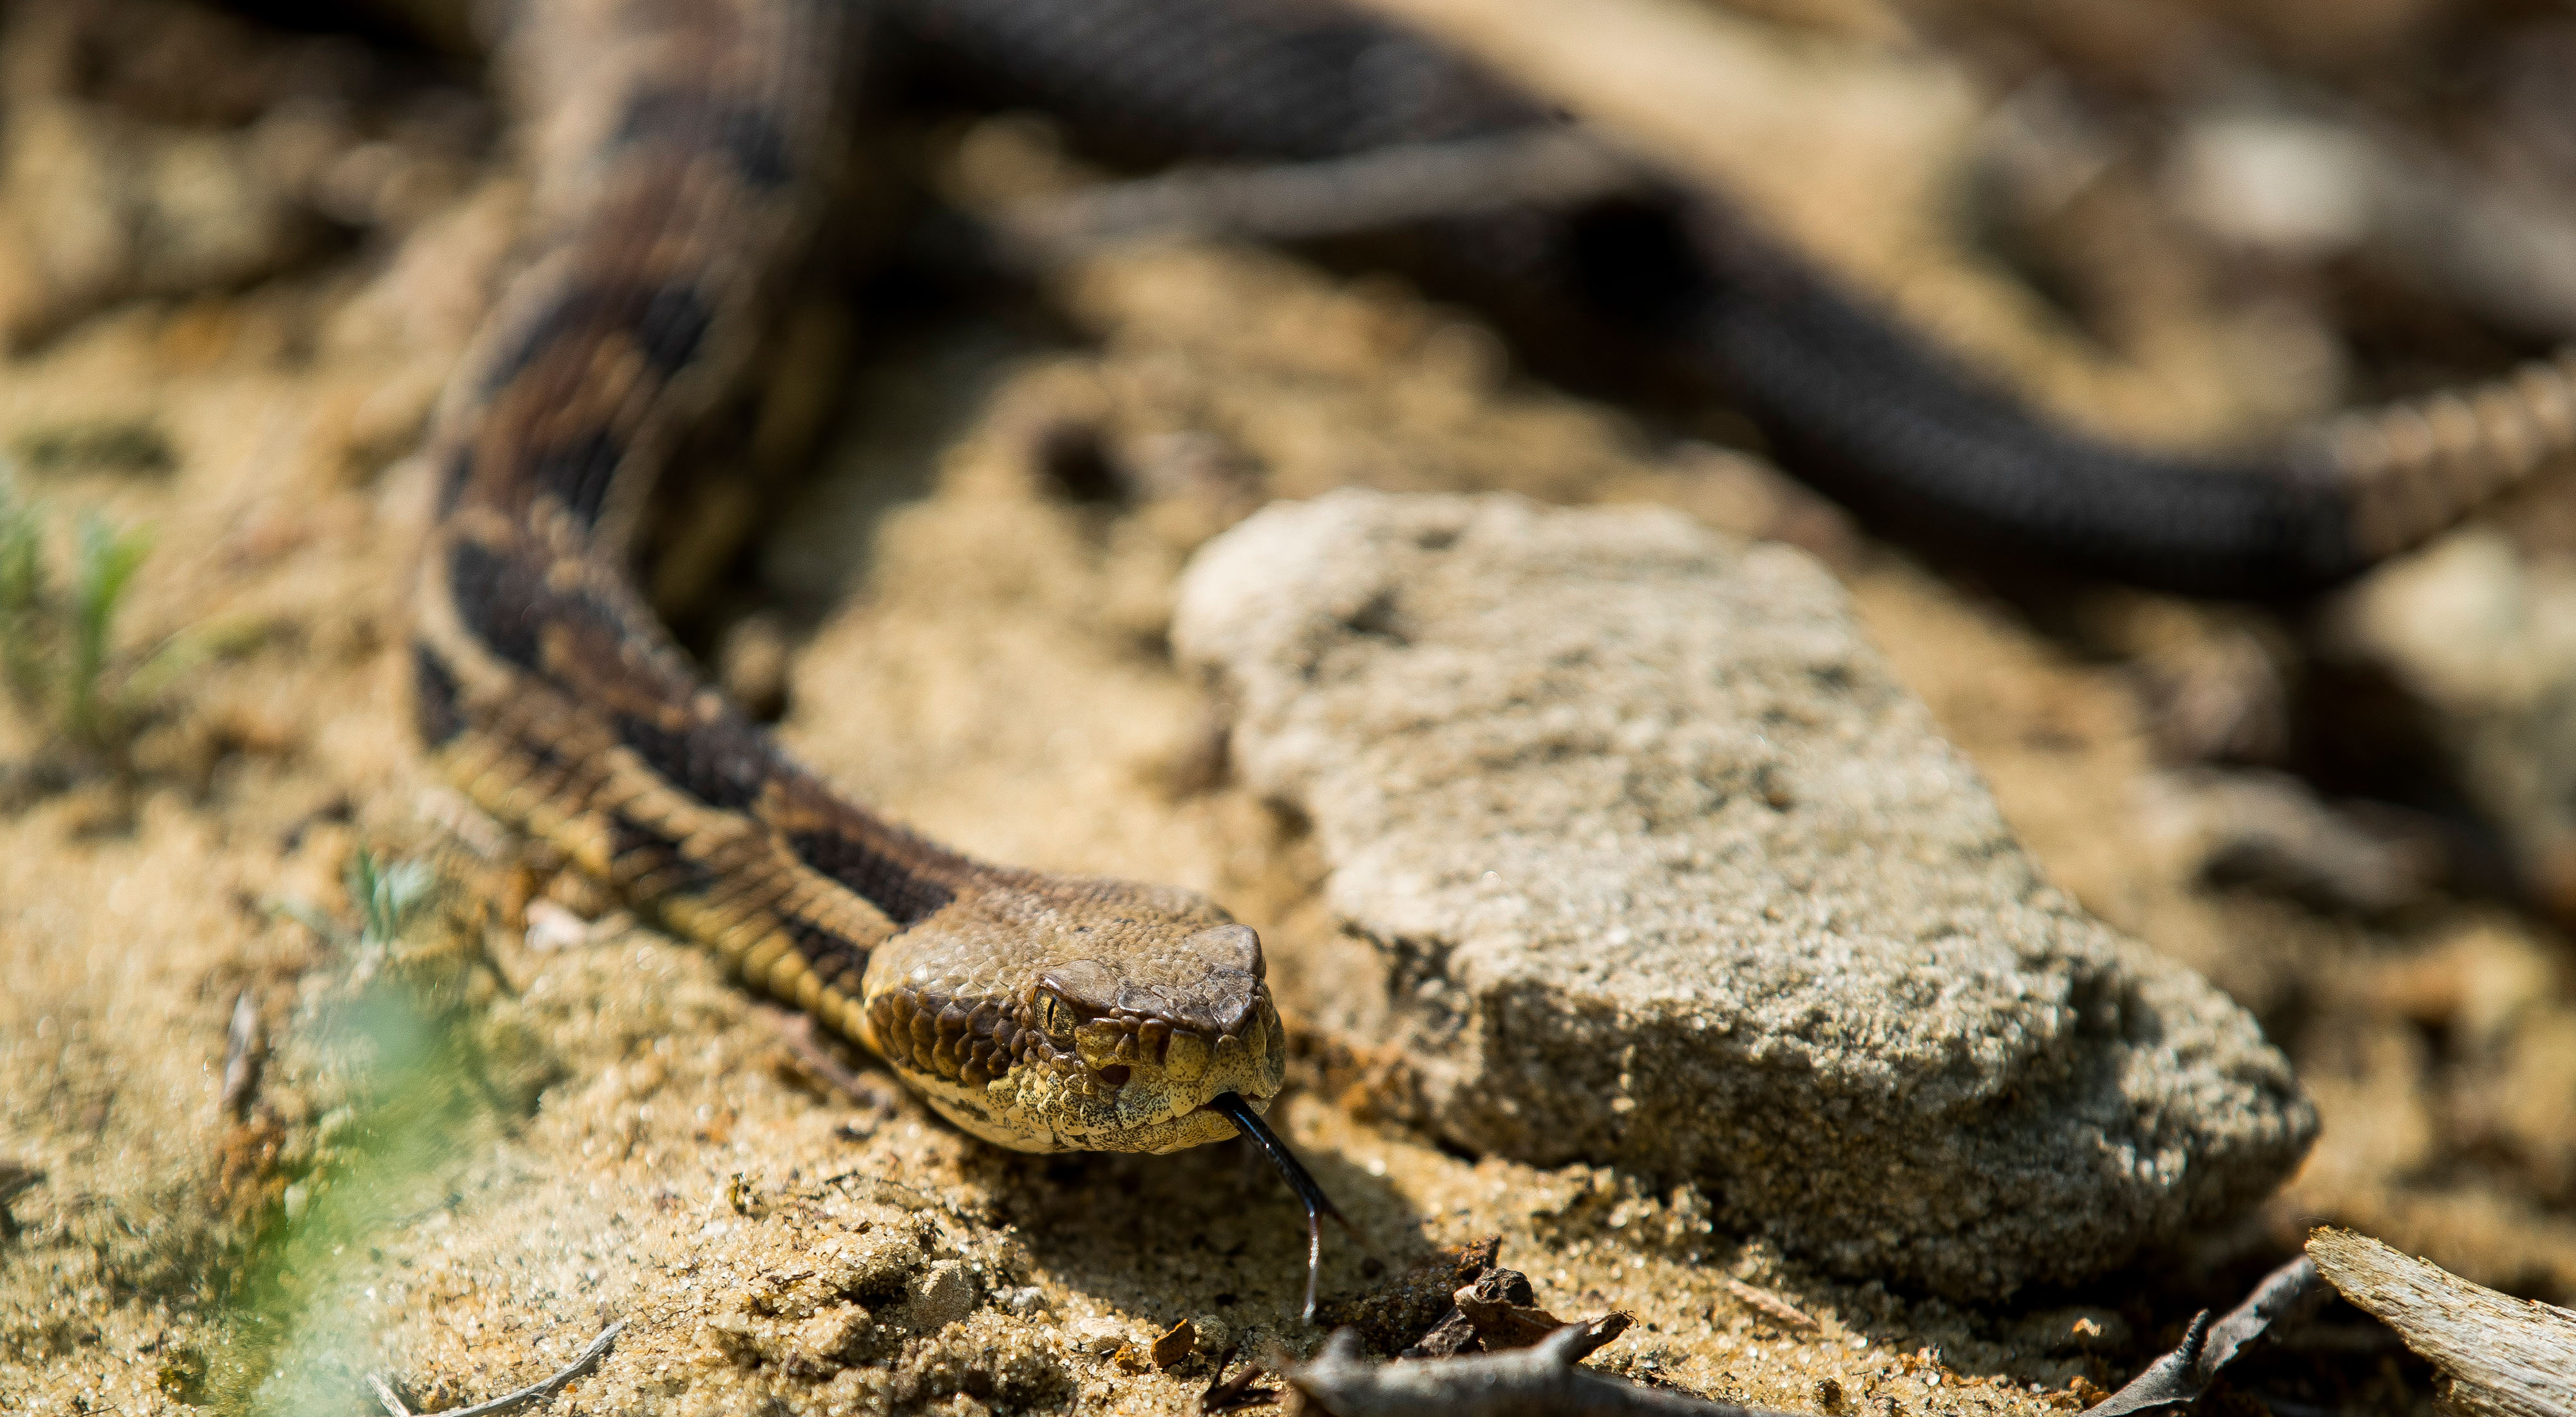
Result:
<point x="22" y="594"/>
<point x="419" y="1075"/>
<point x="388" y="899"/>
<point x="58" y="643"/>
<point x="106" y="565"/>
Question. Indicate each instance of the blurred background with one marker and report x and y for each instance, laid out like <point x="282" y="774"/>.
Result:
<point x="241" y="248"/>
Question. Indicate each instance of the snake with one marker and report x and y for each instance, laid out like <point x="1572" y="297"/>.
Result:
<point x="1040" y="1012"/>
<point x="681" y="153"/>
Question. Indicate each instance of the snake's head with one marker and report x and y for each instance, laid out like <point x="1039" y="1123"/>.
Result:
<point x="1107" y="1022"/>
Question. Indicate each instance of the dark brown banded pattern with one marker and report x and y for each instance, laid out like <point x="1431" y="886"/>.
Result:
<point x="548" y="691"/>
<point x="435" y="713"/>
<point x="748" y="135"/>
<point x="907" y="897"/>
<point x="649" y="863"/>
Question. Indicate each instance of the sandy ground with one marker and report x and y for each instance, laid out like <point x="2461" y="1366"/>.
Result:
<point x="524" y="1117"/>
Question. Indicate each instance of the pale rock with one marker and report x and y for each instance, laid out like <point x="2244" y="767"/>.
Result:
<point x="1661" y="868"/>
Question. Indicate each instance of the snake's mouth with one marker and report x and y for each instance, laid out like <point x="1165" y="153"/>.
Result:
<point x="1152" y="1084"/>
<point x="1143" y="1104"/>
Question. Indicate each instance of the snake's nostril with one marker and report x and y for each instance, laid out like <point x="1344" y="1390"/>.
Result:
<point x="1115" y="1076"/>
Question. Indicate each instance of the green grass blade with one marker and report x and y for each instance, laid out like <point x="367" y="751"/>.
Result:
<point x="108" y="561"/>
<point x="22" y="596"/>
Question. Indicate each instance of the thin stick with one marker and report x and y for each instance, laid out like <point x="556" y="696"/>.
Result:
<point x="1767" y="1302"/>
<point x="1292" y="201"/>
<point x="2185" y="1373"/>
<point x="1318" y="1205"/>
<point x="245" y="1048"/>
<point x="535" y="1392"/>
<point x="1224" y="1392"/>
<point x="1515" y="1383"/>
<point x="797" y="1031"/>
<point x="2498" y="1356"/>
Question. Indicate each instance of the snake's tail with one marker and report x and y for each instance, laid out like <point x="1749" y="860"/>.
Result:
<point x="1318" y="1205"/>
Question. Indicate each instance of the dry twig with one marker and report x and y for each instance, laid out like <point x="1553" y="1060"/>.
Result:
<point x="1375" y="190"/>
<point x="1498" y="1309"/>
<point x="1527" y="1382"/>
<point x="1504" y="1318"/>
<point x="1224" y="1393"/>
<point x="806" y="1046"/>
<point x="534" y="1392"/>
<point x="2498" y="1356"/>
<point x="245" y="1048"/>
<point x="2206" y="1347"/>
<point x="1771" y="1305"/>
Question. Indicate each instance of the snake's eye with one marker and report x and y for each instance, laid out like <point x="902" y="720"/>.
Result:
<point x="1054" y="1017"/>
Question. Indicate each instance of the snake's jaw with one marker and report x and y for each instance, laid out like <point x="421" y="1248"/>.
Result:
<point x="1138" y="1103"/>
<point x="1147" y="1088"/>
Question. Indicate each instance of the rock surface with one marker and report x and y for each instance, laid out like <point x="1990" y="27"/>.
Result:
<point x="1664" y="869"/>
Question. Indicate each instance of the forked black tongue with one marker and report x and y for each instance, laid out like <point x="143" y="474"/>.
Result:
<point x="1318" y="1205"/>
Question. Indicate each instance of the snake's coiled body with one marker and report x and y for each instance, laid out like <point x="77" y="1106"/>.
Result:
<point x="1876" y="414"/>
<point x="681" y="146"/>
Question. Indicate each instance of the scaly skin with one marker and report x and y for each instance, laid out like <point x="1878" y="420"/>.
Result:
<point x="1039" y="1012"/>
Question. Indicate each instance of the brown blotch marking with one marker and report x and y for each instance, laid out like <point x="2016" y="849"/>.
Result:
<point x="889" y="1021"/>
<point x="833" y="956"/>
<point x="751" y="142"/>
<point x="666" y="321"/>
<point x="499" y="597"/>
<point x="879" y="877"/>
<point x="652" y="865"/>
<point x="435" y="710"/>
<point x="723" y="764"/>
<point x="925" y="1031"/>
<point x="579" y="471"/>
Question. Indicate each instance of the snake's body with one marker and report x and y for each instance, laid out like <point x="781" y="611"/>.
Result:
<point x="681" y="147"/>
<point x="1040" y="1012"/>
